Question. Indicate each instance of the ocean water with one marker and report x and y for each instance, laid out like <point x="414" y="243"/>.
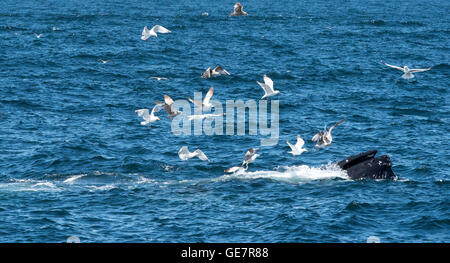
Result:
<point x="74" y="160"/>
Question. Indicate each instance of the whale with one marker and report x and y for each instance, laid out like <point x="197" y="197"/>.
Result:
<point x="366" y="165"/>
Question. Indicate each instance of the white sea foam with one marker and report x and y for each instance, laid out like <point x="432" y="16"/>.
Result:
<point x="74" y="178"/>
<point x="291" y="174"/>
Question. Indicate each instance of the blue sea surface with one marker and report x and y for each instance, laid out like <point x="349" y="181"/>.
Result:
<point x="75" y="161"/>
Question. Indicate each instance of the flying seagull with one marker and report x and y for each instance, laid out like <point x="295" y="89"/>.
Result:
<point x="297" y="148"/>
<point x="168" y="105"/>
<point x="217" y="71"/>
<point x="206" y="104"/>
<point x="324" y="138"/>
<point x="203" y="116"/>
<point x="38" y="35"/>
<point x="158" y="78"/>
<point x="104" y="61"/>
<point x="268" y="87"/>
<point x="407" y="71"/>
<point x="146" y="34"/>
<point x="148" y="118"/>
<point x="238" y="10"/>
<point x="185" y="155"/>
<point x="249" y="158"/>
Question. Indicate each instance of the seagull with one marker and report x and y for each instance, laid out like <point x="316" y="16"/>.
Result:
<point x="268" y="87"/>
<point x="238" y="10"/>
<point x="217" y="71"/>
<point x="324" y="138"/>
<point x="148" y="118"/>
<point x="104" y="61"/>
<point x="203" y="116"/>
<point x="205" y="104"/>
<point x="184" y="154"/>
<point x="250" y="157"/>
<point x="297" y="148"/>
<point x="168" y="106"/>
<point x="146" y="34"/>
<point x="407" y="71"/>
<point x="158" y="78"/>
<point x="38" y="35"/>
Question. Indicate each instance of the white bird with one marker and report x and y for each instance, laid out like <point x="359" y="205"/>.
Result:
<point x="148" y="118"/>
<point x="206" y="104"/>
<point x="168" y="105"/>
<point x="267" y="87"/>
<point x="38" y="35"/>
<point x="146" y="34"/>
<point x="297" y="148"/>
<point x="203" y="116"/>
<point x="217" y="71"/>
<point x="158" y="78"/>
<point x="407" y="71"/>
<point x="250" y="157"/>
<point x="184" y="154"/>
<point x="235" y="169"/>
<point x="104" y="61"/>
<point x="324" y="138"/>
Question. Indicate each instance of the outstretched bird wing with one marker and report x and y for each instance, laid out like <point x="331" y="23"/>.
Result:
<point x="207" y="73"/>
<point x="300" y="142"/>
<point x="392" y="66"/>
<point x="160" y="29"/>
<point x="144" y="113"/>
<point x="201" y="155"/>
<point x="419" y="70"/>
<point x="208" y="95"/>
<point x="221" y="70"/>
<point x="145" y="33"/>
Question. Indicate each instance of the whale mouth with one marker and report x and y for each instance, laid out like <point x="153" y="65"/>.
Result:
<point x="366" y="165"/>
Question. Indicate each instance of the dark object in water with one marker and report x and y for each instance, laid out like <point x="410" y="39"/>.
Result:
<point x="366" y="165"/>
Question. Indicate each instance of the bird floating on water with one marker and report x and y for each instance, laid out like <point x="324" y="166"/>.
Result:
<point x="407" y="71"/>
<point x="238" y="10"/>
<point x="185" y="155"/>
<point x="297" y="148"/>
<point x="168" y="105"/>
<point x="267" y="86"/>
<point x="205" y="104"/>
<point x="146" y="34"/>
<point x="217" y="71"/>
<point x="324" y="138"/>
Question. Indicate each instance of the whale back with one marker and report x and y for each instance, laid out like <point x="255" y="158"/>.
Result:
<point x="366" y="165"/>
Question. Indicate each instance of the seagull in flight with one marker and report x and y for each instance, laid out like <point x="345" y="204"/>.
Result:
<point x="185" y="155"/>
<point x="324" y="138"/>
<point x="38" y="35"/>
<point x="104" y="61"/>
<point x="203" y="116"/>
<point x="206" y="104"/>
<point x="146" y="34"/>
<point x="297" y="148"/>
<point x="148" y="118"/>
<point x="250" y="157"/>
<point x="217" y="71"/>
<point x="267" y="86"/>
<point x="159" y="78"/>
<point x="168" y="105"/>
<point x="407" y="71"/>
